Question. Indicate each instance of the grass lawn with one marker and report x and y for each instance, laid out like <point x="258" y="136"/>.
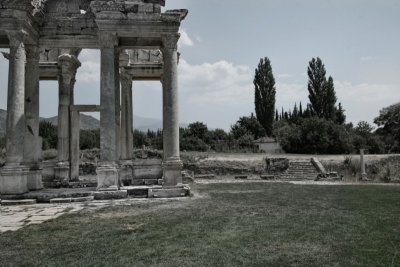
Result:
<point x="248" y="224"/>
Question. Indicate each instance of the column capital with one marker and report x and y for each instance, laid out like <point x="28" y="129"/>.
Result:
<point x="68" y="65"/>
<point x="16" y="37"/>
<point x="108" y="40"/>
<point x="170" y="41"/>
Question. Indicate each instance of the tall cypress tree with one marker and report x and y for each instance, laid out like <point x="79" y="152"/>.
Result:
<point x="265" y="95"/>
<point x="316" y="86"/>
<point x="330" y="99"/>
<point x="340" y="117"/>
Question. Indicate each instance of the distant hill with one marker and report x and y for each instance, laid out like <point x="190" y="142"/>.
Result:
<point x="89" y="122"/>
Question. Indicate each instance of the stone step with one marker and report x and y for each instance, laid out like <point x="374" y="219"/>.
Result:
<point x="45" y="195"/>
<point x="17" y="202"/>
<point x="71" y="200"/>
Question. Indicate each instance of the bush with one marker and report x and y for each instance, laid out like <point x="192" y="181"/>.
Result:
<point x="89" y="139"/>
<point x="313" y="136"/>
<point x="49" y="134"/>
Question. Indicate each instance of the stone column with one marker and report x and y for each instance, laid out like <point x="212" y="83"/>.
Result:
<point x="13" y="176"/>
<point x="107" y="170"/>
<point x="33" y="143"/>
<point x="172" y="164"/>
<point x="75" y="129"/>
<point x="68" y="66"/>
<point x="126" y="116"/>
<point x="117" y="102"/>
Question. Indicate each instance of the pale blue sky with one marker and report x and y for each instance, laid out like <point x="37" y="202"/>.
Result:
<point x="223" y="40"/>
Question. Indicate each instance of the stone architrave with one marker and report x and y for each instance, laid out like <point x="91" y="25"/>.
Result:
<point x="13" y="176"/>
<point x="107" y="170"/>
<point x="68" y="66"/>
<point x="172" y="164"/>
<point x="33" y="142"/>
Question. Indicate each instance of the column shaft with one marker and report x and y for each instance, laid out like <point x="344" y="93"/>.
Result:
<point x="170" y="106"/>
<point x="13" y="176"/>
<point x="33" y="143"/>
<point x="172" y="165"/>
<point x="126" y="117"/>
<point x="16" y="104"/>
<point x="107" y="172"/>
<point x="67" y="65"/>
<point x="75" y="129"/>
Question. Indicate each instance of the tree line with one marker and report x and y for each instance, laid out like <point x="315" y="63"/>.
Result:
<point x="317" y="127"/>
<point x="321" y="126"/>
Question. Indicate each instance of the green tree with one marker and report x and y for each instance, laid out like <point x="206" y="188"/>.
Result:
<point x="389" y="126"/>
<point x="265" y="95"/>
<point x="329" y="100"/>
<point x="340" y="117"/>
<point x="317" y="85"/>
<point x="49" y="134"/>
<point x="247" y="126"/>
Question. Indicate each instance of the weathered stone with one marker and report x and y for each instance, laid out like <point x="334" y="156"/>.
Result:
<point x="169" y="192"/>
<point x="18" y="202"/>
<point x="107" y="176"/>
<point x="106" y="195"/>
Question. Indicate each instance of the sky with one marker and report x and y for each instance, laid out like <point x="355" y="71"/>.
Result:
<point x="222" y="42"/>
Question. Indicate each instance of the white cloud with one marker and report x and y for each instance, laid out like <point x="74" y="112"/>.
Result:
<point x="221" y="82"/>
<point x="185" y="40"/>
<point x="89" y="72"/>
<point x="364" y="101"/>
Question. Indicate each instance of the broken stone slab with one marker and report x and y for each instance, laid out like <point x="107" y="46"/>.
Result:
<point x="71" y="200"/>
<point x="205" y="176"/>
<point x="174" y="192"/>
<point x="60" y="200"/>
<point x="82" y="199"/>
<point x="108" y="195"/>
<point x="17" y="202"/>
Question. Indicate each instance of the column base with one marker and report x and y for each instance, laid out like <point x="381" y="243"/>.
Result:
<point x="61" y="172"/>
<point x="13" y="180"/>
<point x="35" y="178"/>
<point x="172" y="173"/>
<point x="107" y="176"/>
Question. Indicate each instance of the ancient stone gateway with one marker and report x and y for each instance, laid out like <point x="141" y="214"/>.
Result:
<point x="137" y="41"/>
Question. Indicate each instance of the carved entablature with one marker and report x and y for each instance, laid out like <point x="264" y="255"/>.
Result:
<point x="70" y="8"/>
<point x="145" y="56"/>
<point x="126" y="9"/>
<point x="32" y="6"/>
<point x="176" y="15"/>
<point x="52" y="55"/>
<point x="68" y="18"/>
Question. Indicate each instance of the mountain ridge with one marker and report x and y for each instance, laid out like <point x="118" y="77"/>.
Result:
<point x="89" y="123"/>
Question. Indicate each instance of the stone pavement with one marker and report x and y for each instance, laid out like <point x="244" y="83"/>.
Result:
<point x="13" y="218"/>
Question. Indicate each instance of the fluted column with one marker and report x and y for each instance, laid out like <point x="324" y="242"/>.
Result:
<point x="68" y="66"/>
<point x="33" y="143"/>
<point x="126" y="116"/>
<point x="172" y="164"/>
<point x="13" y="178"/>
<point x="107" y="170"/>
